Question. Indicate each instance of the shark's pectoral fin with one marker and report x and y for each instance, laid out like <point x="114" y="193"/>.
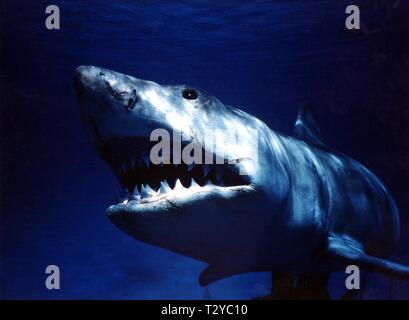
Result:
<point x="306" y="128"/>
<point x="214" y="273"/>
<point x="349" y="251"/>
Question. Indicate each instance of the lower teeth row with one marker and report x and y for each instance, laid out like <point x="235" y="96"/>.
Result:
<point x="148" y="192"/>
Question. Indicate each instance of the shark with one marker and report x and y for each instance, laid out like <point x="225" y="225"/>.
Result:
<point x="300" y="208"/>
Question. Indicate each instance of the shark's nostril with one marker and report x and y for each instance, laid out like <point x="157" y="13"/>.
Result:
<point x="102" y="74"/>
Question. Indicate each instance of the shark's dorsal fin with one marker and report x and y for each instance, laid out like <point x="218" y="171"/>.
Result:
<point x="306" y="128"/>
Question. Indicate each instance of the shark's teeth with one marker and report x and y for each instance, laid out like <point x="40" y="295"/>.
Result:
<point x="148" y="194"/>
<point x="123" y="168"/>
<point x="136" y="191"/>
<point x="141" y="162"/>
<point x="206" y="169"/>
<point x="218" y="175"/>
<point x="138" y="174"/>
<point x="132" y="162"/>
<point x="146" y="160"/>
<point x="194" y="184"/>
<point x="149" y="190"/>
<point x="144" y="193"/>
<point x="164" y="187"/>
<point x="178" y="185"/>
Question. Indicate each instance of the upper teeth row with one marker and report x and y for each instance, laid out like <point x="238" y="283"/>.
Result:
<point x="148" y="192"/>
<point x="134" y="162"/>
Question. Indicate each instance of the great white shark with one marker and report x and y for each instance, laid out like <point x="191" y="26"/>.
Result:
<point x="302" y="209"/>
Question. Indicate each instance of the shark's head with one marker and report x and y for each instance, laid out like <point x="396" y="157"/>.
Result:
<point x="194" y="209"/>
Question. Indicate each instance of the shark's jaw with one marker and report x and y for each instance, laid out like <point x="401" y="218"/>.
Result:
<point x="174" y="199"/>
<point x="176" y="206"/>
<point x="149" y="188"/>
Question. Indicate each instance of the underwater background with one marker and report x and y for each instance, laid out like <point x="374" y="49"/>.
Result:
<point x="265" y="57"/>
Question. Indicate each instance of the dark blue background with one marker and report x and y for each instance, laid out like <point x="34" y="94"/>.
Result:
<point x="266" y="57"/>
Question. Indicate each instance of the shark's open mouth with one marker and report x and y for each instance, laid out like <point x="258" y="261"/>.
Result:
<point x="143" y="182"/>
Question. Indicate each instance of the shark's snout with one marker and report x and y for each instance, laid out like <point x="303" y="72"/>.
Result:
<point x="81" y="72"/>
<point x="118" y="90"/>
<point x="83" y="76"/>
<point x="92" y="78"/>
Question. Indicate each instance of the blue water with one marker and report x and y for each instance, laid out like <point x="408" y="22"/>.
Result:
<point x="267" y="58"/>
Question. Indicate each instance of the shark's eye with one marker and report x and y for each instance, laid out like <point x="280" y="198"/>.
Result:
<point x="189" y="94"/>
